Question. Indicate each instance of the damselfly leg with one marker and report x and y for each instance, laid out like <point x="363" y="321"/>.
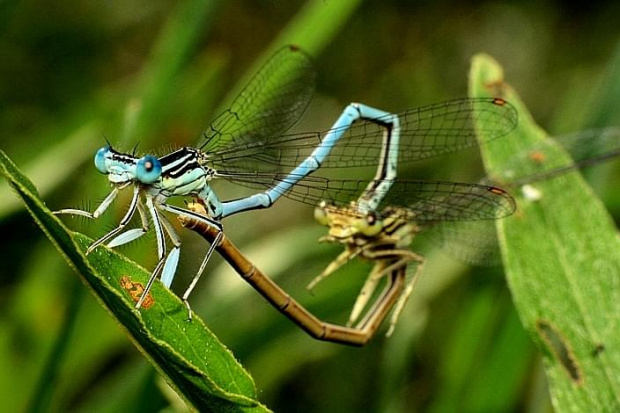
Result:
<point x="97" y="213"/>
<point x="385" y="263"/>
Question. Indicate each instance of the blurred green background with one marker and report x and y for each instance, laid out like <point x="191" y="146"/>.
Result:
<point x="155" y="73"/>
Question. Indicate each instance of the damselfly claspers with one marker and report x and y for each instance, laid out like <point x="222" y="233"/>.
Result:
<point x="246" y="145"/>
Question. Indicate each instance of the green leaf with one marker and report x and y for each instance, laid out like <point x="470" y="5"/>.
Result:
<point x="187" y="354"/>
<point x="561" y="255"/>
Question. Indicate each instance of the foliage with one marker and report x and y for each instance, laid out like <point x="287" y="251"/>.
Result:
<point x="154" y="73"/>
<point x="561" y="259"/>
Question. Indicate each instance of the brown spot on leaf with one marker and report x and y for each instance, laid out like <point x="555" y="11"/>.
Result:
<point x="135" y="290"/>
<point x="560" y="349"/>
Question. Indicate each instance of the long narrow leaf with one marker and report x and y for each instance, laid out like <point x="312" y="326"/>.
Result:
<point x="189" y="356"/>
<point x="562" y="259"/>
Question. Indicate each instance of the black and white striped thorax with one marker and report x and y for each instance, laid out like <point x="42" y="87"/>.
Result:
<point x="184" y="160"/>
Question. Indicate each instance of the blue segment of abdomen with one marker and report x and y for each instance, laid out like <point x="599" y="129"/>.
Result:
<point x="351" y="113"/>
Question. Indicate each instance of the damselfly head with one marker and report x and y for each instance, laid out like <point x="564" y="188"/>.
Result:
<point x="347" y="222"/>
<point x="120" y="167"/>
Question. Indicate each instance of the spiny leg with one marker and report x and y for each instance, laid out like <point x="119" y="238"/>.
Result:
<point x="170" y="267"/>
<point x="398" y="254"/>
<point x="134" y="233"/>
<point x="366" y="292"/>
<point x="344" y="257"/>
<point x="189" y="290"/>
<point x="100" y="209"/>
<point x="384" y="303"/>
<point x="399" y="258"/>
<point x="191" y="214"/>
<point x="161" y="248"/>
<point x="208" y="221"/>
<point x="411" y="282"/>
<point x="130" y="212"/>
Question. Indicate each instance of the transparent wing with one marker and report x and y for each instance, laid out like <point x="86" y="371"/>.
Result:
<point x="475" y="242"/>
<point x="449" y="201"/>
<point x="425" y="132"/>
<point x="270" y="104"/>
<point x="427" y="201"/>
<point x="592" y="145"/>
<point x="472" y="242"/>
<point x="586" y="148"/>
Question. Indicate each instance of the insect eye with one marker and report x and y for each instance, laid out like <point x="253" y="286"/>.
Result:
<point x="371" y="218"/>
<point x="371" y="225"/>
<point x="100" y="159"/>
<point x="320" y="215"/>
<point x="148" y="169"/>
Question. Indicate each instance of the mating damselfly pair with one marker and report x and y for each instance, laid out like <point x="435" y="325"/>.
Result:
<point x="246" y="145"/>
<point x="384" y="237"/>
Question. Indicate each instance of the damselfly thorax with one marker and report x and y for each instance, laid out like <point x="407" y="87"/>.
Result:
<point x="393" y="228"/>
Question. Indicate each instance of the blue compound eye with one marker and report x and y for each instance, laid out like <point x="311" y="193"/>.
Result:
<point x="100" y="159"/>
<point x="148" y="169"/>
